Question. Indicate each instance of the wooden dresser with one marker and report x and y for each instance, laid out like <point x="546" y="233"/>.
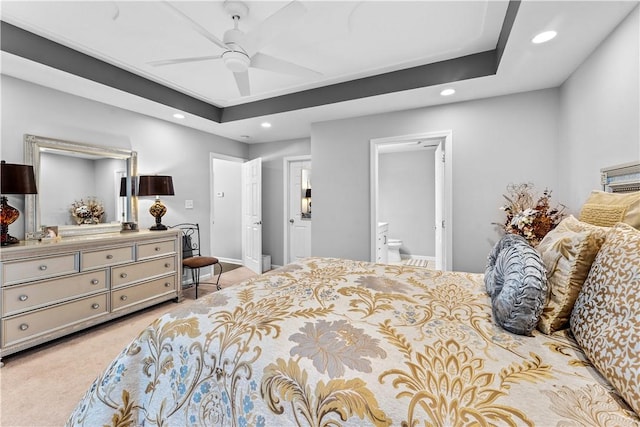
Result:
<point x="53" y="289"/>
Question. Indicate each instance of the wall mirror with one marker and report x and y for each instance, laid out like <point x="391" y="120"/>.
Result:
<point x="305" y="196"/>
<point x="79" y="186"/>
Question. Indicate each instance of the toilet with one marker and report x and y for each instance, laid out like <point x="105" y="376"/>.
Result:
<point x="394" y="250"/>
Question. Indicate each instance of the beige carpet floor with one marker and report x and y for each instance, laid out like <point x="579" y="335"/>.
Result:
<point x="41" y="386"/>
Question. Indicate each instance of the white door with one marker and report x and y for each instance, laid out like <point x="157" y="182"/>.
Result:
<point x="252" y="215"/>
<point x="439" y="202"/>
<point x="299" y="210"/>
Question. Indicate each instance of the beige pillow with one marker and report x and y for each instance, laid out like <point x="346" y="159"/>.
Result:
<point x="606" y="209"/>
<point x="567" y="253"/>
<point x="606" y="317"/>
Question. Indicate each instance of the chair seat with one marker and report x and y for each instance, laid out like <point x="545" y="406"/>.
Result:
<point x="199" y="261"/>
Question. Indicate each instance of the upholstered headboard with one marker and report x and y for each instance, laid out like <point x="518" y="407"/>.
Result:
<point x="621" y="178"/>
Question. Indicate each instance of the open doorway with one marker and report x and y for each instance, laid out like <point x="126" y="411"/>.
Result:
<point x="236" y="210"/>
<point x="435" y="230"/>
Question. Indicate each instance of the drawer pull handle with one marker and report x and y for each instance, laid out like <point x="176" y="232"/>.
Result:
<point x="123" y="275"/>
<point x="166" y="264"/>
<point x="95" y="281"/>
<point x="95" y="306"/>
<point x="109" y="256"/>
<point x="23" y="297"/>
<point x="157" y="248"/>
<point x="123" y="297"/>
<point x="24" y="327"/>
<point x="168" y="284"/>
<point x="43" y="267"/>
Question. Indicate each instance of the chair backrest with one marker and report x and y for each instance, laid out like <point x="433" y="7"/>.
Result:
<point x="190" y="239"/>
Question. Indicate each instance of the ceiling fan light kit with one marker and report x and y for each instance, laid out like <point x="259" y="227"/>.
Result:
<point x="236" y="61"/>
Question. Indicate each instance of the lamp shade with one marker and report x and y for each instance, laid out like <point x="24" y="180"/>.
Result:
<point x="123" y="186"/>
<point x="17" y="179"/>
<point x="307" y="193"/>
<point x="155" y="185"/>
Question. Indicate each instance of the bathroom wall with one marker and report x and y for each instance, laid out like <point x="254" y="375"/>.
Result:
<point x="406" y="194"/>
<point x="226" y="231"/>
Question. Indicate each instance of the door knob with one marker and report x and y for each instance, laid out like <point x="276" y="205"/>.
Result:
<point x="258" y="223"/>
<point x="291" y="220"/>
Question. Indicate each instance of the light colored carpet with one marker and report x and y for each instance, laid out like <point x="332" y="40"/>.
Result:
<point x="41" y="386"/>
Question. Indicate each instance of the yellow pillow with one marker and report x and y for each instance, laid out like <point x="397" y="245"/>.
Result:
<point x="607" y="209"/>
<point x="567" y="252"/>
<point x="605" y="320"/>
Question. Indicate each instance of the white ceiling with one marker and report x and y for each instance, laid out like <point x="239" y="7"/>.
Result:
<point x="341" y="40"/>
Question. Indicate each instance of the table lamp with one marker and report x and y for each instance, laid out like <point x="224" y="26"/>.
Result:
<point x="14" y="179"/>
<point x="156" y="185"/>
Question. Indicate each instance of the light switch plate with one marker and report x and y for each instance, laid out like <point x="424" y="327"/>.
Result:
<point x="220" y="194"/>
<point x="188" y="204"/>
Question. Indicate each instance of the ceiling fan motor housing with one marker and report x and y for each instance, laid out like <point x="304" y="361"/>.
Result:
<point x="236" y="61"/>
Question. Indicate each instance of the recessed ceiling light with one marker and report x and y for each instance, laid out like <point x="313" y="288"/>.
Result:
<point x="265" y="125"/>
<point x="178" y="116"/>
<point x="448" y="92"/>
<point x="544" y="37"/>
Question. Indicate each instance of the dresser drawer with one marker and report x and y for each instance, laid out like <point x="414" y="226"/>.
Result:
<point x="20" y="298"/>
<point x="125" y="297"/>
<point x="41" y="268"/>
<point x="106" y="257"/>
<point x="35" y="323"/>
<point x="150" y="250"/>
<point x="131" y="273"/>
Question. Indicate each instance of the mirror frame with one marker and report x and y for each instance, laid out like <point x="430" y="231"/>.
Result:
<point x="33" y="146"/>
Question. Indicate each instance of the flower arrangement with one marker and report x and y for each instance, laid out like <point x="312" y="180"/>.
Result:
<point x="528" y="216"/>
<point x="87" y="212"/>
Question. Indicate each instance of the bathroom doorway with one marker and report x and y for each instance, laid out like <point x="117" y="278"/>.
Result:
<point x="435" y="226"/>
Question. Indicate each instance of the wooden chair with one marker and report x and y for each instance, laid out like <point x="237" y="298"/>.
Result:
<point x="192" y="257"/>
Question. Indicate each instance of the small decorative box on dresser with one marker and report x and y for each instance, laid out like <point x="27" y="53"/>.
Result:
<point x="49" y="290"/>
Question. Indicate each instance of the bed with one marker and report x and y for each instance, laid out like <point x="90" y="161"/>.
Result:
<point x="335" y="342"/>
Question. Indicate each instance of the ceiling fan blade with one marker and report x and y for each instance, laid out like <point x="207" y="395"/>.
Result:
<point x="268" y="62"/>
<point x="183" y="60"/>
<point x="200" y="29"/>
<point x="257" y="38"/>
<point x="242" y="80"/>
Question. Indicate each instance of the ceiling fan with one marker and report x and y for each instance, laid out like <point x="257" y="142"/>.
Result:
<point x="241" y="51"/>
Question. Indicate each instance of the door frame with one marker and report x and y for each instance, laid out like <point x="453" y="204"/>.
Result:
<point x="286" y="178"/>
<point x="445" y="140"/>
<point x="218" y="156"/>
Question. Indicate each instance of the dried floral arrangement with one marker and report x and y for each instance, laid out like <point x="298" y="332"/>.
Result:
<point x="528" y="215"/>
<point x="89" y="211"/>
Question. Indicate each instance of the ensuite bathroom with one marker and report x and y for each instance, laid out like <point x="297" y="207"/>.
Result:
<point x="406" y="205"/>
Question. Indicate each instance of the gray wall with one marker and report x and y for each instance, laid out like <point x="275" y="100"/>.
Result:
<point x="163" y="147"/>
<point x="600" y="110"/>
<point x="272" y="155"/>
<point x="406" y="199"/>
<point x="496" y="141"/>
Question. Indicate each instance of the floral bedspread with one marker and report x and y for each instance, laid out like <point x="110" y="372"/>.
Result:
<point x="332" y="342"/>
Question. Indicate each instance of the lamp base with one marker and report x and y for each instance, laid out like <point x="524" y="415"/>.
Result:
<point x="7" y="240"/>
<point x="157" y="210"/>
<point x="8" y="215"/>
